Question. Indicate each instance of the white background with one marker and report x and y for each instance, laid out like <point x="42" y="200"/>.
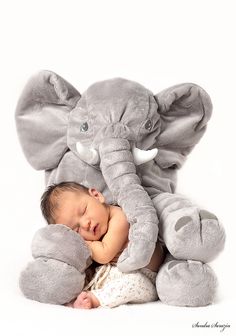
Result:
<point x="159" y="44"/>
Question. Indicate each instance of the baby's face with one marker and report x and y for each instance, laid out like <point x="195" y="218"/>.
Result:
<point x="84" y="213"/>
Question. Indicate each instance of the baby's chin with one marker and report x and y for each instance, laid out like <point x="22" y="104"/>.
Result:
<point x="97" y="237"/>
<point x="93" y="237"/>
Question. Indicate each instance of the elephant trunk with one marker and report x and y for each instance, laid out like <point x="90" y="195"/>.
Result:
<point x="119" y="171"/>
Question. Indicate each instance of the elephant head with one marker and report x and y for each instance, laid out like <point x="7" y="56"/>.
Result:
<point x="95" y="139"/>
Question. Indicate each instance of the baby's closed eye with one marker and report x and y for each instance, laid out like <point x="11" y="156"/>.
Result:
<point x="81" y="211"/>
<point x="76" y="228"/>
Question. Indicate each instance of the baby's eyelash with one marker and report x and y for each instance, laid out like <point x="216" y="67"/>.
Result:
<point x="77" y="228"/>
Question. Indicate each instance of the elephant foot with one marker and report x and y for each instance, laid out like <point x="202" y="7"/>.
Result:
<point x="137" y="255"/>
<point x="198" y="235"/>
<point x="189" y="232"/>
<point x="186" y="283"/>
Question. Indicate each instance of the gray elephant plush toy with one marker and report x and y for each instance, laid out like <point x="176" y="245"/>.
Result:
<point x="58" y="272"/>
<point x="129" y="144"/>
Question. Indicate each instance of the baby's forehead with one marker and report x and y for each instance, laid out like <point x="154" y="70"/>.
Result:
<point x="66" y="203"/>
<point x="62" y="195"/>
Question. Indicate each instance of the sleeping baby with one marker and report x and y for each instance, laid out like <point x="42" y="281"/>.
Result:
<point x="105" y="229"/>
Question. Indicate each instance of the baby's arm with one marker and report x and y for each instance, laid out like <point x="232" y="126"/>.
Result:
<point x="113" y="241"/>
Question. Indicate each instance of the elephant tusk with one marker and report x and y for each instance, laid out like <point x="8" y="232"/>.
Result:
<point x="91" y="156"/>
<point x="143" y="156"/>
<point x="87" y="154"/>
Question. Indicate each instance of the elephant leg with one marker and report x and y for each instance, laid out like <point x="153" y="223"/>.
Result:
<point x="188" y="232"/>
<point x="186" y="283"/>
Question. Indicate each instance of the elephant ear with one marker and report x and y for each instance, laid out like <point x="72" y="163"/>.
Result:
<point x="42" y="116"/>
<point x="184" y="110"/>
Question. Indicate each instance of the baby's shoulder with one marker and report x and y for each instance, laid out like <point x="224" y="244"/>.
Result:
<point x="115" y="210"/>
<point x="118" y="217"/>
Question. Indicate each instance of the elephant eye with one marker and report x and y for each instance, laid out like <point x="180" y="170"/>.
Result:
<point x="148" y="125"/>
<point x="84" y="127"/>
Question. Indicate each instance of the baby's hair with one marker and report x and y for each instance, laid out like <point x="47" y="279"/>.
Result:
<point x="50" y="198"/>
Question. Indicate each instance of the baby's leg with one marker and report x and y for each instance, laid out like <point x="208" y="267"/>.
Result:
<point x="86" y="300"/>
<point x="134" y="287"/>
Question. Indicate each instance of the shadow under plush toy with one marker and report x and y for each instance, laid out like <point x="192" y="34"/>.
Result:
<point x="108" y="138"/>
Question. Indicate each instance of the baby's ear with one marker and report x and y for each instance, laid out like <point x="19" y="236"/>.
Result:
<point x="96" y="194"/>
<point x="42" y="116"/>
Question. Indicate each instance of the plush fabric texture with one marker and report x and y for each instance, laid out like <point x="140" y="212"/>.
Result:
<point x="89" y="139"/>
<point x="57" y="274"/>
<point x="192" y="283"/>
<point x="73" y="249"/>
<point x="188" y="231"/>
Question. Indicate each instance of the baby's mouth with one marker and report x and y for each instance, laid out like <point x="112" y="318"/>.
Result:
<point x="95" y="229"/>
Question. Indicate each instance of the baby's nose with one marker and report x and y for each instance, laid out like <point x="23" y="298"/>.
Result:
<point x="86" y="224"/>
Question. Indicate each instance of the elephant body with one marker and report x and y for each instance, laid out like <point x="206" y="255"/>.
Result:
<point x="93" y="138"/>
